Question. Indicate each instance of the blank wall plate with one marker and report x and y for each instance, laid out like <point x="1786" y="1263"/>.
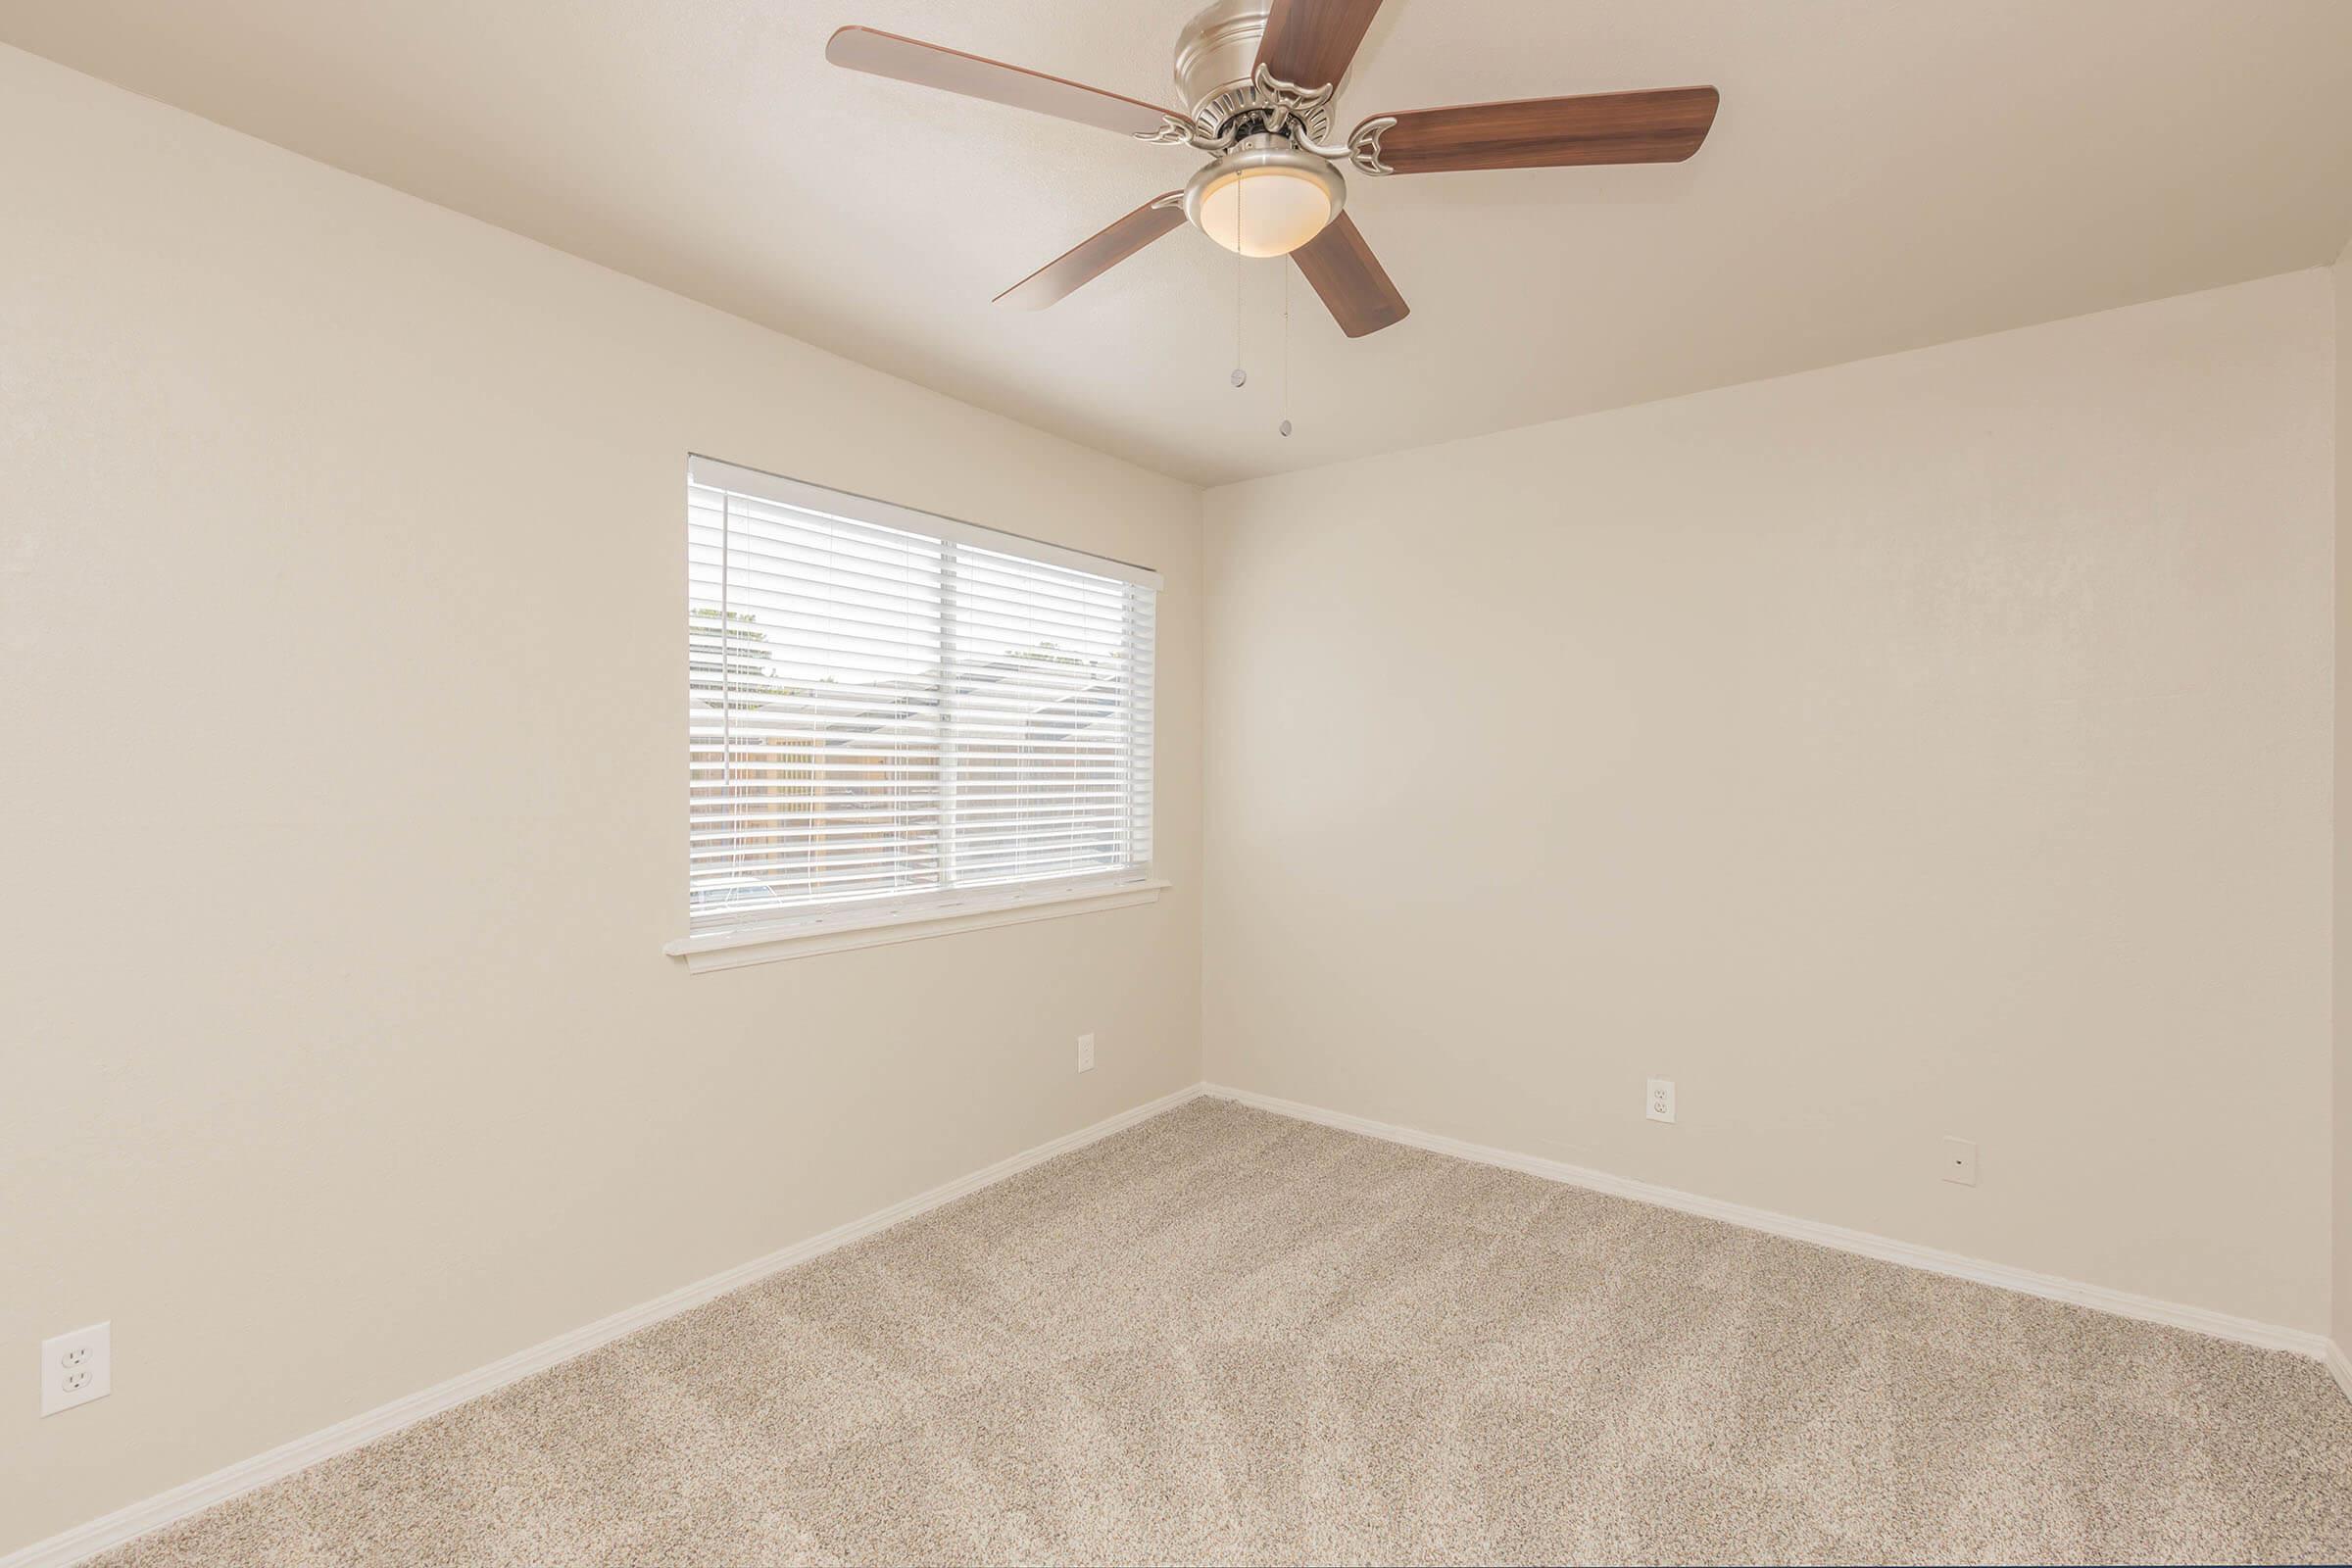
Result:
<point x="1960" y="1162"/>
<point x="1659" y="1106"/>
<point x="76" y="1368"/>
<point x="1086" y="1052"/>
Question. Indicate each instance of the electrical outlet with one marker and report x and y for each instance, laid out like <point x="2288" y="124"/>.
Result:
<point x="1960" y="1162"/>
<point x="76" y="1368"/>
<point x="1086" y="1052"/>
<point x="1660" y="1104"/>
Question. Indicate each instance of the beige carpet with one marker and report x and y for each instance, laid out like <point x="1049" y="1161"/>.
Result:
<point x="1228" y="1337"/>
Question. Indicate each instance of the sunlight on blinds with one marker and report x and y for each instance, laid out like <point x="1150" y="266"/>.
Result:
<point x="877" y="712"/>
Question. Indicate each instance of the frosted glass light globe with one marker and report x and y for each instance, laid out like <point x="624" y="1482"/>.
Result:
<point x="1264" y="198"/>
<point x="1264" y="212"/>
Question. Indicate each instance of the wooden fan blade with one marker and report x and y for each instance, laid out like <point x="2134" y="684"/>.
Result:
<point x="1091" y="258"/>
<point x="1664" y="127"/>
<point x="1349" y="277"/>
<point x="927" y="65"/>
<point x="1310" y="42"/>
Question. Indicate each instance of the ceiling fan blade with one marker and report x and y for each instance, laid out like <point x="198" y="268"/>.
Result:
<point x="1345" y="272"/>
<point x="1095" y="255"/>
<point x="927" y="65"/>
<point x="1310" y="42"/>
<point x="1664" y="127"/>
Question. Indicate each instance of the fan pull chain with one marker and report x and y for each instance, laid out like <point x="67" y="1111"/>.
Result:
<point x="1285" y="427"/>
<point x="1239" y="188"/>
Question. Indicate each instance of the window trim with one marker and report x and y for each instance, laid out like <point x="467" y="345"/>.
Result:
<point x="908" y="917"/>
<point x="846" y="926"/>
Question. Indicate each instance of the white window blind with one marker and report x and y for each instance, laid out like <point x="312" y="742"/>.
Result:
<point x="888" y="706"/>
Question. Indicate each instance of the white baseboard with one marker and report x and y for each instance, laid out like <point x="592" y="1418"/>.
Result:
<point x="2122" y="1303"/>
<point x="85" y="1541"/>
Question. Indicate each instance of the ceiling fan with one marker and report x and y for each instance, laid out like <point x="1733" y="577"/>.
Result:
<point x="1257" y="78"/>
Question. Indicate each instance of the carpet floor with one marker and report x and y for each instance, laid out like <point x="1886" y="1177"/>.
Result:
<point x="1224" y="1335"/>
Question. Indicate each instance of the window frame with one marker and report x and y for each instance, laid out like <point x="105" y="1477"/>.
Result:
<point x="805" y="930"/>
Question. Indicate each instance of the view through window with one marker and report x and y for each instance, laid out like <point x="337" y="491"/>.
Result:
<point x="884" y="704"/>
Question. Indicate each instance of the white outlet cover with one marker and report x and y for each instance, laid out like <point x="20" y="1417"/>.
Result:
<point x="1659" y="1104"/>
<point x="1960" y="1162"/>
<point x="76" y="1368"/>
<point x="1086" y="1052"/>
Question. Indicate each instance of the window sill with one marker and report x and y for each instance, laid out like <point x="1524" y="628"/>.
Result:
<point x="807" y="936"/>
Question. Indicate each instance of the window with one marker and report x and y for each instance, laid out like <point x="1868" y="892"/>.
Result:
<point x="892" y="715"/>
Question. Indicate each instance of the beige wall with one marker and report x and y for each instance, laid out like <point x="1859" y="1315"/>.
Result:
<point x="1936" y="744"/>
<point x="2341" y="1188"/>
<point x="342" y="778"/>
<point x="1933" y="745"/>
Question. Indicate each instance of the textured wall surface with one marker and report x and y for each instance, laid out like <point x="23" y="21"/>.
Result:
<point x="1936" y="744"/>
<point x="2342" y="1185"/>
<point x="342" y="676"/>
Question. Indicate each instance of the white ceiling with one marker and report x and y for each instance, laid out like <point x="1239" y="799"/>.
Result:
<point x="1881" y="176"/>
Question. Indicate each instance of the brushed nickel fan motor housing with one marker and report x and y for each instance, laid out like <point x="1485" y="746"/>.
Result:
<point x="1216" y="69"/>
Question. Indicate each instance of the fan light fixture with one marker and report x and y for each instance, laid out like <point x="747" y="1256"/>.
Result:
<point x="1265" y="197"/>
<point x="1255" y="83"/>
